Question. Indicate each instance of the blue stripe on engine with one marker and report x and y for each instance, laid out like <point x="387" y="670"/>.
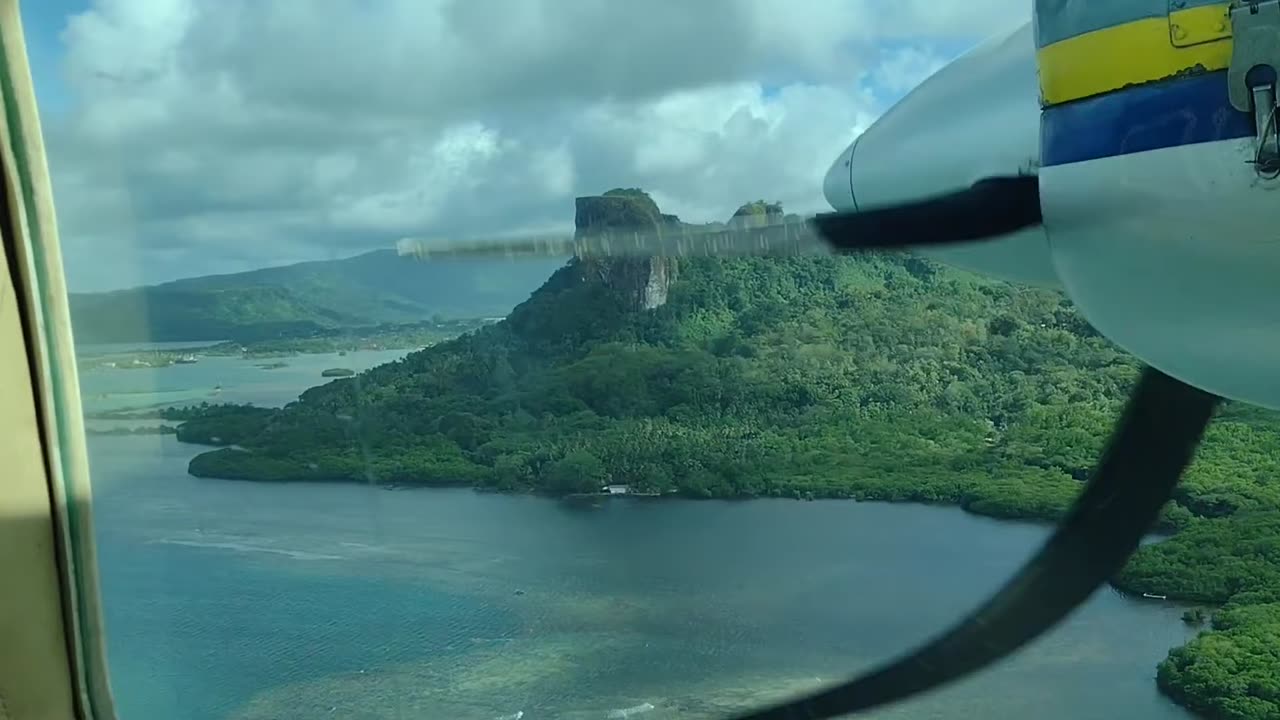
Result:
<point x="1170" y="113"/>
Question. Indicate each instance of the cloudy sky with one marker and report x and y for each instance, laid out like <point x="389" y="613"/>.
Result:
<point x="189" y="137"/>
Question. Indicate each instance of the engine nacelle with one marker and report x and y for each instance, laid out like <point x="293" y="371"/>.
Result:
<point x="977" y="117"/>
<point x="1158" y="223"/>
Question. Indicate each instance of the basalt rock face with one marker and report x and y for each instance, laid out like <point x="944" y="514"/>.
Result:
<point x="644" y="281"/>
<point x="756" y="214"/>
<point x="618" y="209"/>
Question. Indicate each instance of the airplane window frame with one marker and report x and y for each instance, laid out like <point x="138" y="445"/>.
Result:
<point x="41" y="679"/>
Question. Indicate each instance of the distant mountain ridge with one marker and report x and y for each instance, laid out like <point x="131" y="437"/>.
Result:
<point x="375" y="288"/>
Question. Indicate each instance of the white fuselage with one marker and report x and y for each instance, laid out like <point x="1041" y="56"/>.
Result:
<point x="1170" y="253"/>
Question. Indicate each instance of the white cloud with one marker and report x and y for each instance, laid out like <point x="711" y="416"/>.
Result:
<point x="904" y="68"/>
<point x="217" y="135"/>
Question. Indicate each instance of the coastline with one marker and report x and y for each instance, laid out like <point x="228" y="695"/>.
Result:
<point x="1157" y="533"/>
<point x="996" y="518"/>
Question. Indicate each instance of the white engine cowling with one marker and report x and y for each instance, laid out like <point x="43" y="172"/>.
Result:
<point x="1168" y="242"/>
<point x="1173" y="252"/>
<point x="977" y="117"/>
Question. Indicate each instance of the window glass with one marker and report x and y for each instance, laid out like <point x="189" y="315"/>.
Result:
<point x="339" y="474"/>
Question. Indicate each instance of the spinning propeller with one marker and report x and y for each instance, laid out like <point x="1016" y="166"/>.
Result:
<point x="1152" y="444"/>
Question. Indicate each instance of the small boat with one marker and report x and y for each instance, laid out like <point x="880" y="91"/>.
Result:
<point x="1155" y="597"/>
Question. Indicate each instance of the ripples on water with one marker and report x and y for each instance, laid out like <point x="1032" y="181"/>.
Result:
<point x="255" y="601"/>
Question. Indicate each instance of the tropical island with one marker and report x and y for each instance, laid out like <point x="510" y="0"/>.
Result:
<point x="880" y="377"/>
<point x="296" y="306"/>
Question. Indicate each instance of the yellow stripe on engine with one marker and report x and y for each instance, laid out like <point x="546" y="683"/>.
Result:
<point x="1193" y="40"/>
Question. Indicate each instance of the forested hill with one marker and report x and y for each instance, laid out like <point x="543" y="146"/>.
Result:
<point x="871" y="377"/>
<point x="878" y="377"/>
<point x="294" y="300"/>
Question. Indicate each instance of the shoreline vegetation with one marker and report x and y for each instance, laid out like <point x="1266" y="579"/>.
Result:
<point x="882" y="377"/>
<point x="383" y="337"/>
<point x="136" y="430"/>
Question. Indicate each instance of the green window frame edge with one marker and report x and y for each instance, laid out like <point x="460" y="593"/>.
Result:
<point x="51" y="354"/>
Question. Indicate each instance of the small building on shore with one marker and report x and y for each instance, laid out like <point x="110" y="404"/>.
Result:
<point x="618" y="489"/>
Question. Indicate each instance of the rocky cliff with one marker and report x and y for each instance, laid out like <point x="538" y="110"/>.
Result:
<point x="756" y="214"/>
<point x="645" y="280"/>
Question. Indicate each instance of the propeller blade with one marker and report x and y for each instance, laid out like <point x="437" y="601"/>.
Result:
<point x="1153" y="443"/>
<point x="989" y="208"/>
<point x="777" y="240"/>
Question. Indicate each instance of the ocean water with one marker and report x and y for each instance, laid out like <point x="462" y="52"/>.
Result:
<point x="251" y="601"/>
<point x="219" y="380"/>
